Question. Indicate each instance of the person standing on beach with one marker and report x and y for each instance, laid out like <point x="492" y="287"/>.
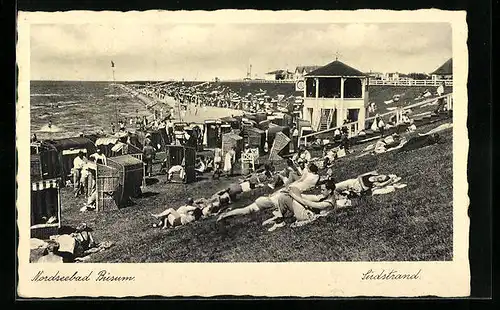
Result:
<point x="148" y="156"/>
<point x="121" y="124"/>
<point x="441" y="102"/>
<point x="295" y="138"/>
<point x="217" y="163"/>
<point x="78" y="164"/>
<point x="112" y="127"/>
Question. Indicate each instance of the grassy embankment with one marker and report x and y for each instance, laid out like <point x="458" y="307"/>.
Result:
<point x="414" y="223"/>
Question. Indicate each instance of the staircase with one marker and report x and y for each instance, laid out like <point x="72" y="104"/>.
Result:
<point x="325" y="119"/>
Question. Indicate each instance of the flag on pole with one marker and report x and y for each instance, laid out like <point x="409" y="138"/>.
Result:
<point x="112" y="64"/>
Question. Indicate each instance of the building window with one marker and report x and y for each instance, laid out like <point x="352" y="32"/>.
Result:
<point x="329" y="88"/>
<point x="310" y="88"/>
<point x="352" y="88"/>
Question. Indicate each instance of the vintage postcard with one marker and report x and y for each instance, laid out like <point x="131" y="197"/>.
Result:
<point x="261" y="153"/>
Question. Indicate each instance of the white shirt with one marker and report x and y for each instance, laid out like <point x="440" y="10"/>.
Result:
<point x="305" y="155"/>
<point x="98" y="157"/>
<point x="245" y="186"/>
<point x="201" y="167"/>
<point x="176" y="168"/>
<point x="78" y="162"/>
<point x="440" y="90"/>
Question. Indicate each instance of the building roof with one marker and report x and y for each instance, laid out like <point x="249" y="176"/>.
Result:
<point x="336" y="68"/>
<point x="302" y="69"/>
<point x="445" y="69"/>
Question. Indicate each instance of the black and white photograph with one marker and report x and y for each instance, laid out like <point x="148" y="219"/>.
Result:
<point x="244" y="141"/>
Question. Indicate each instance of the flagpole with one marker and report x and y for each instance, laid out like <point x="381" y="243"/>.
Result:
<point x="114" y="81"/>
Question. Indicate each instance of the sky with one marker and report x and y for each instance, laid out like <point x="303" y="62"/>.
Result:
<point x="205" y="51"/>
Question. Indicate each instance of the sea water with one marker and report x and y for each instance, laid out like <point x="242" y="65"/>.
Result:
<point x="76" y="107"/>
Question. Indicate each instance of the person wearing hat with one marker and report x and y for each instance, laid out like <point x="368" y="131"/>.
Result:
<point x="147" y="139"/>
<point x="78" y="164"/>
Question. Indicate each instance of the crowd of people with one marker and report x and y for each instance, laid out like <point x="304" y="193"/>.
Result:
<point x="289" y="201"/>
<point x="84" y="177"/>
<point x="216" y="95"/>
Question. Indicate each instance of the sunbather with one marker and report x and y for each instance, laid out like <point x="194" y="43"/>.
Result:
<point x="176" y="169"/>
<point x="183" y="215"/>
<point x="363" y="183"/>
<point x="389" y="143"/>
<point x="77" y="244"/>
<point x="307" y="182"/>
<point x="420" y="141"/>
<point x="303" y="208"/>
<point x="290" y="174"/>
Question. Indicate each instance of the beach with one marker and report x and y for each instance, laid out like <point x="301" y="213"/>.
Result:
<point x="88" y="107"/>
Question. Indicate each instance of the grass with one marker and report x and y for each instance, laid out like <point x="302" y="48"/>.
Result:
<point x="411" y="224"/>
<point x="381" y="93"/>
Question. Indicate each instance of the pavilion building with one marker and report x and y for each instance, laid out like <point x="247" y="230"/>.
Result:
<point x="334" y="93"/>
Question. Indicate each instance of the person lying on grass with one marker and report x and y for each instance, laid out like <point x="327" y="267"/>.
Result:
<point x="389" y="143"/>
<point x="420" y="141"/>
<point x="290" y="174"/>
<point x="305" y="183"/>
<point x="177" y="169"/>
<point x="77" y="245"/>
<point x="200" y="166"/>
<point x="302" y="208"/>
<point x="172" y="218"/>
<point x="307" y="178"/>
<point x="364" y="183"/>
<point x="224" y="198"/>
<point x="329" y="156"/>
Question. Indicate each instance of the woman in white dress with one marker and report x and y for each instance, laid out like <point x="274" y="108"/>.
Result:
<point x="229" y="160"/>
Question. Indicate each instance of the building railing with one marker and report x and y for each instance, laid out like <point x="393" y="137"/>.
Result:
<point x="261" y="81"/>
<point x="398" y="82"/>
<point x="354" y="126"/>
<point x="401" y="82"/>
